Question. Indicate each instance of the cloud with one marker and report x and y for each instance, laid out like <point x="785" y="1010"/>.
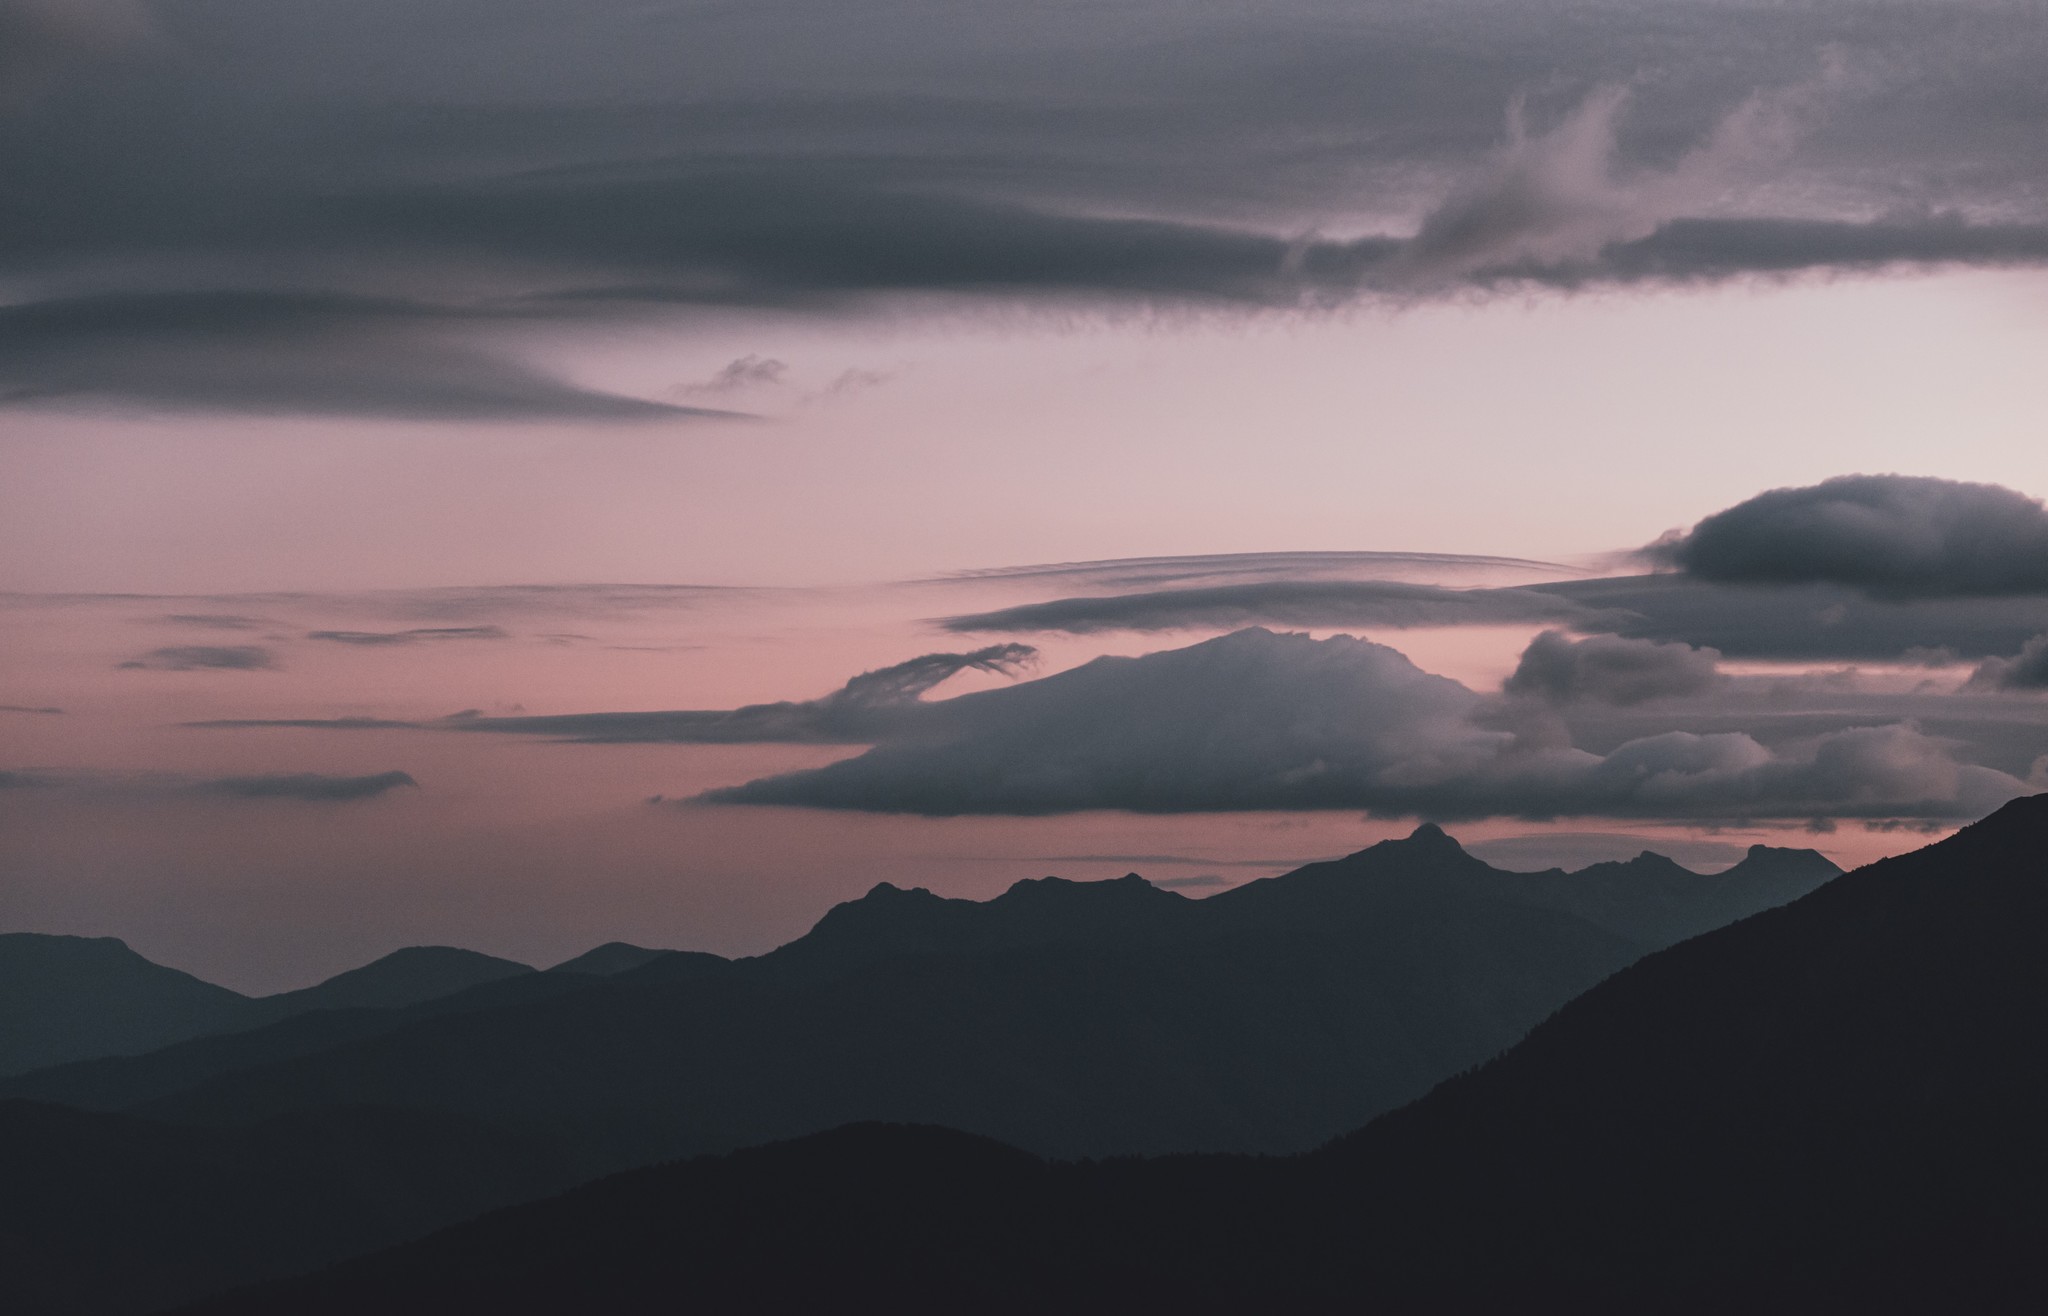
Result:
<point x="26" y="708"/>
<point x="410" y="201"/>
<point x="197" y="657"/>
<point x="1259" y="721"/>
<point x="309" y="786"/>
<point x="746" y="372"/>
<point x="313" y="786"/>
<point x="1815" y="622"/>
<point x="1251" y="568"/>
<point x="2028" y="670"/>
<point x="213" y="621"/>
<point x="1890" y="536"/>
<point x="1391" y="604"/>
<point x="1609" y="669"/>
<point x="277" y="351"/>
<point x="416" y="635"/>
<point x="1554" y="198"/>
<point x="309" y="724"/>
<point x="868" y="708"/>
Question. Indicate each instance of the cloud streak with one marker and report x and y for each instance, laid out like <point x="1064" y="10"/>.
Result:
<point x="205" y="657"/>
<point x="1389" y="604"/>
<point x="871" y="707"/>
<point x="315" y="787"/>
<point x="415" y="635"/>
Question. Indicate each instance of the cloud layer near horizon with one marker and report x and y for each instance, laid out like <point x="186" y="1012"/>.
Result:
<point x="1261" y="721"/>
<point x="363" y="211"/>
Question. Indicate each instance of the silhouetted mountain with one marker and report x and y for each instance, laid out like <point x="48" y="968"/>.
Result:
<point x="1830" y="1106"/>
<point x="114" y="1082"/>
<point x="612" y="957"/>
<point x="112" y="1214"/>
<point x="1069" y="1018"/>
<point x="65" y="998"/>
<point x="404" y="977"/>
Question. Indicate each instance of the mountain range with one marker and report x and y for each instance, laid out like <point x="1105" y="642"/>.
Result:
<point x="1068" y="1019"/>
<point x="1834" y="1105"/>
<point x="76" y="998"/>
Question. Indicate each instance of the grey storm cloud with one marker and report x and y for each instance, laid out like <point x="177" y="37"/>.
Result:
<point x="2027" y="670"/>
<point x="314" y="786"/>
<point x="1257" y="721"/>
<point x="1610" y="669"/>
<point x="1891" y="536"/>
<point x="201" y="657"/>
<point x="1319" y="603"/>
<point x="415" y="635"/>
<point x="872" y="706"/>
<point x="409" y="197"/>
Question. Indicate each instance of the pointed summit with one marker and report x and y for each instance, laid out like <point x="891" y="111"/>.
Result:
<point x="1429" y="836"/>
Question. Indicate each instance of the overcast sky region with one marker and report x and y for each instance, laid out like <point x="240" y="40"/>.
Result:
<point x="527" y="474"/>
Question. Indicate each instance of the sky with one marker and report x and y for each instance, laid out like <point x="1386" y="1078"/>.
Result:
<point x="529" y="474"/>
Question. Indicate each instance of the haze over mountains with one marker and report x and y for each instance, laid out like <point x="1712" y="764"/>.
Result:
<point x="1833" y="1105"/>
<point x="1068" y="1018"/>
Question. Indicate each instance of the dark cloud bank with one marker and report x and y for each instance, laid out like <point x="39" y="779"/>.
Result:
<point x="359" y="209"/>
<point x="1890" y="536"/>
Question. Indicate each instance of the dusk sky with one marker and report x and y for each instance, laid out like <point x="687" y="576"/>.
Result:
<point x="526" y="474"/>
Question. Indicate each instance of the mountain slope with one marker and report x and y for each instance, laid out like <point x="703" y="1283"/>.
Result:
<point x="67" y="998"/>
<point x="404" y="977"/>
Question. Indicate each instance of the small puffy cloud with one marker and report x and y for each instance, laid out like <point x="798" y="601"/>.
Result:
<point x="1259" y="721"/>
<point x="2028" y="670"/>
<point x="201" y="657"/>
<point x="747" y="372"/>
<point x="1890" y="536"/>
<point x="315" y="786"/>
<point x="1609" y="669"/>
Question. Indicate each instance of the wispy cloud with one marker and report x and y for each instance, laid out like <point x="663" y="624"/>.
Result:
<point x="205" y="657"/>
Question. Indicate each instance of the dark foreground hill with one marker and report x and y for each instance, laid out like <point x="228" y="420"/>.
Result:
<point x="1072" y="1019"/>
<point x="65" y="999"/>
<point x="111" y="1213"/>
<point x="1833" y="1106"/>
